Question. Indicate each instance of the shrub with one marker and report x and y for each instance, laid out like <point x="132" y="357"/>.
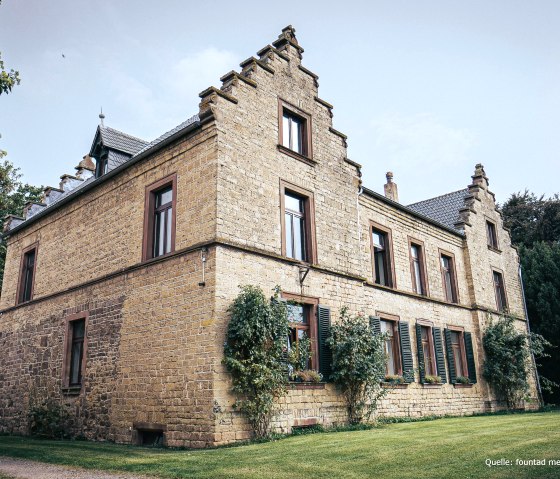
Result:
<point x="508" y="359"/>
<point x="49" y="419"/>
<point x="358" y="365"/>
<point x="254" y="354"/>
<point x="462" y="380"/>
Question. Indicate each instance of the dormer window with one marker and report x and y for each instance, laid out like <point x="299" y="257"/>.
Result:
<point x="102" y="166"/>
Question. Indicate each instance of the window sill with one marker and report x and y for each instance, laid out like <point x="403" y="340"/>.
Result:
<point x="72" y="390"/>
<point x="496" y="250"/>
<point x="462" y="386"/>
<point x="298" y="156"/>
<point x="302" y="385"/>
<point x="394" y="386"/>
<point x="432" y="386"/>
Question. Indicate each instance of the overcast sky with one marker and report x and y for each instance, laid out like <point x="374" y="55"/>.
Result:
<point x="426" y="89"/>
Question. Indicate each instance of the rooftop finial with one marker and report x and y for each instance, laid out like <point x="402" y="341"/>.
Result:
<point x="101" y="117"/>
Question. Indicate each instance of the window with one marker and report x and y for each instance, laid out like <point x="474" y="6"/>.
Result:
<point x="294" y="130"/>
<point x="102" y="166"/>
<point x="499" y="288"/>
<point x="398" y="350"/>
<point x="27" y="274"/>
<point x="297" y="221"/>
<point x="460" y="355"/>
<point x="431" y="360"/>
<point x="491" y="234"/>
<point x="159" y="218"/>
<point x="392" y="352"/>
<point x="418" y="268"/>
<point x="381" y="252"/>
<point x="75" y="351"/>
<point x="448" y="277"/>
<point x="458" y="352"/>
<point x="428" y="351"/>
<point x="302" y="317"/>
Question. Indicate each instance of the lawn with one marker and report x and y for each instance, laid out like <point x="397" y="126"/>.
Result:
<point x="445" y="448"/>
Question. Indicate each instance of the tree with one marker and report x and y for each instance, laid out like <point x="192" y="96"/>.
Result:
<point x="531" y="218"/>
<point x="358" y="365"/>
<point x="13" y="196"/>
<point x="254" y="354"/>
<point x="534" y="223"/>
<point x="541" y="278"/>
<point x="508" y="359"/>
<point x="7" y="78"/>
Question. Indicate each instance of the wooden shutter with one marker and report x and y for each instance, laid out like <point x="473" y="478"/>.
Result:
<point x="469" y="352"/>
<point x="406" y="352"/>
<point x="325" y="352"/>
<point x="375" y="324"/>
<point x="421" y="365"/>
<point x="450" y="358"/>
<point x="440" y="361"/>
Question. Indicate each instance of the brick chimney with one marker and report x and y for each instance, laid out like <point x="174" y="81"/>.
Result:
<point x="391" y="190"/>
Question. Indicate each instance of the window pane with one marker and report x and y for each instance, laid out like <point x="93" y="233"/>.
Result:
<point x="448" y="285"/>
<point x="378" y="240"/>
<point x="418" y="277"/>
<point x="380" y="273"/>
<point x="163" y="197"/>
<point x="286" y="131"/>
<point x="168" y="230"/>
<point x="298" y="239"/>
<point x="289" y="236"/>
<point x="296" y="135"/>
<point x="293" y="203"/>
<point x="296" y="313"/>
<point x="78" y="329"/>
<point x="390" y="351"/>
<point x="414" y="251"/>
<point x="75" y="365"/>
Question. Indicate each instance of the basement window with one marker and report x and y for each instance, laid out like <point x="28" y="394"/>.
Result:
<point x="150" y="438"/>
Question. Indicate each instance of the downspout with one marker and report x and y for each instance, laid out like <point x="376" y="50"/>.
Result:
<point x="539" y="391"/>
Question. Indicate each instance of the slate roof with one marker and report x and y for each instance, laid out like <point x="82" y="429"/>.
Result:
<point x="171" y="132"/>
<point x="120" y="141"/>
<point x="444" y="209"/>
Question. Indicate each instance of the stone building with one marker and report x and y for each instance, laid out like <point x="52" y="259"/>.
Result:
<point x="117" y="284"/>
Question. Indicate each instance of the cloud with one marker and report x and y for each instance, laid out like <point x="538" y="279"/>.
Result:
<point x="420" y="139"/>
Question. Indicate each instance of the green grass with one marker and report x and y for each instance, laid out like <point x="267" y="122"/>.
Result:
<point x="447" y="448"/>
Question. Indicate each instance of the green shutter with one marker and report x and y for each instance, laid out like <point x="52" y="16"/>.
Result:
<point x="375" y="324"/>
<point x="406" y="352"/>
<point x="421" y="365"/>
<point x="325" y="353"/>
<point x="450" y="358"/>
<point x="440" y="361"/>
<point x="470" y="357"/>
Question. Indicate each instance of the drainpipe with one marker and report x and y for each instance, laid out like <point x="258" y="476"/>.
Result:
<point x="539" y="391"/>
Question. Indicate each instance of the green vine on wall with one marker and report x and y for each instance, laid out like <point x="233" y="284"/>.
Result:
<point x="254" y="354"/>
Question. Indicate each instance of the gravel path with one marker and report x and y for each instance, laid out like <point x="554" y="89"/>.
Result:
<point x="23" y="469"/>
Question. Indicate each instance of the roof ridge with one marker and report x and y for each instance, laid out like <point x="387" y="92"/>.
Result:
<point x="124" y="134"/>
<point x="439" y="196"/>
